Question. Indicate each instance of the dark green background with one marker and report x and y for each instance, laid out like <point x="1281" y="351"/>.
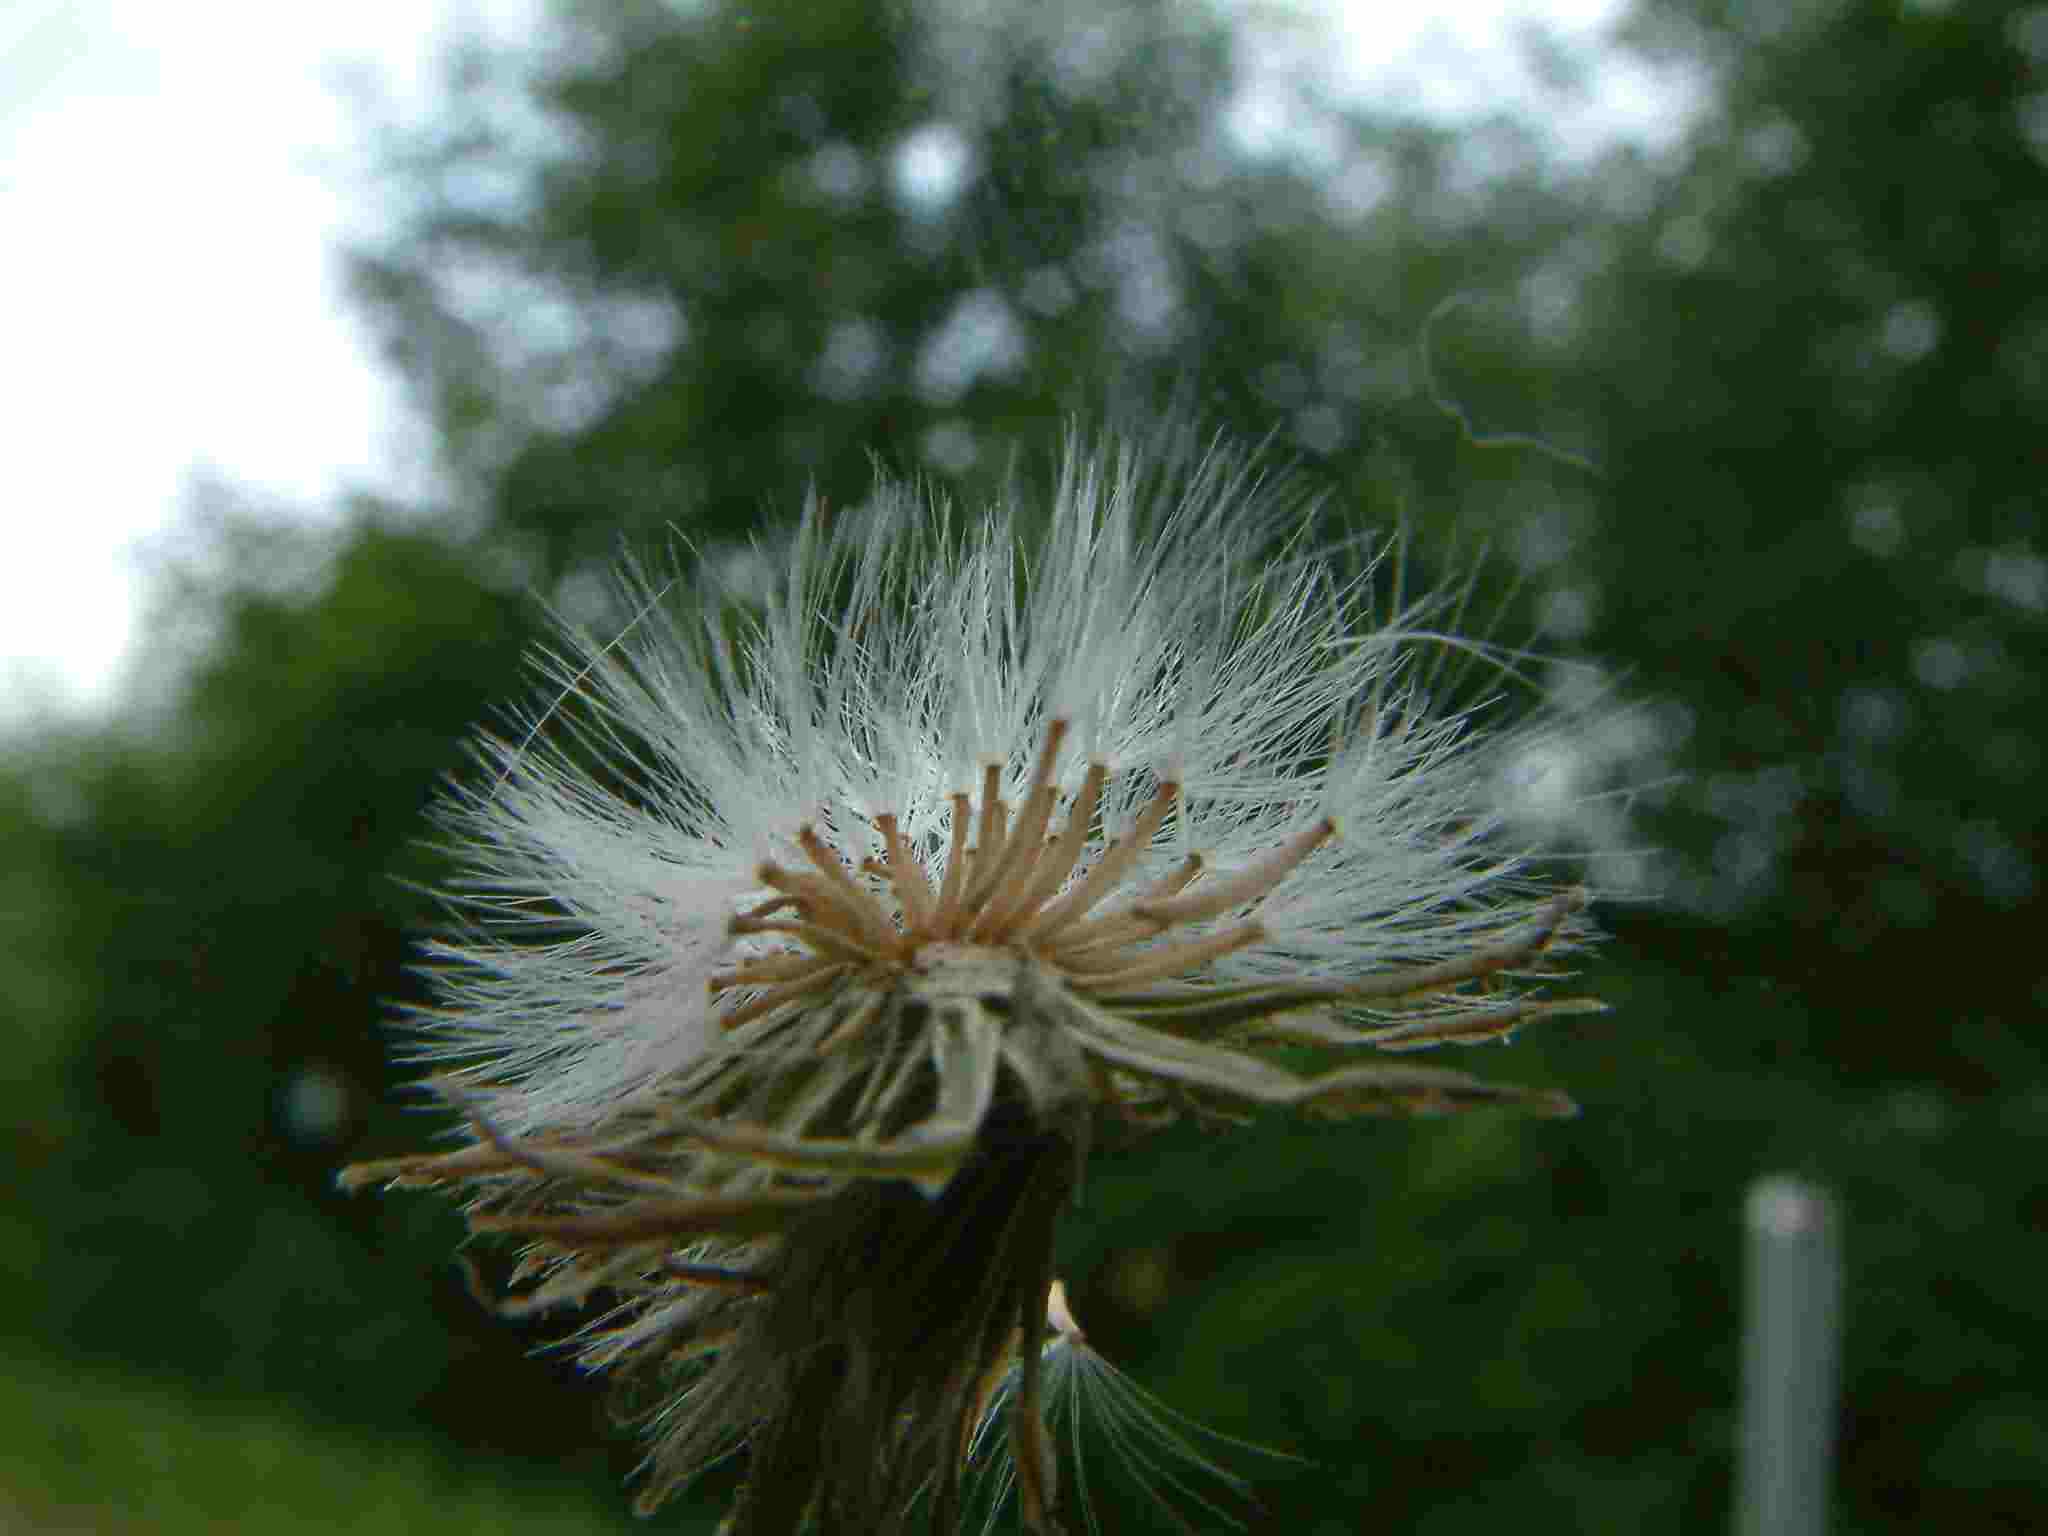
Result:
<point x="1808" y="354"/>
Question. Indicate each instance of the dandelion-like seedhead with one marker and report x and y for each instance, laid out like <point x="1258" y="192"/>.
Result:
<point x="810" y="940"/>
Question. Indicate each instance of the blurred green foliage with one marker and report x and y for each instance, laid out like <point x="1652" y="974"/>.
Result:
<point x="656" y="272"/>
<point x="109" y="1453"/>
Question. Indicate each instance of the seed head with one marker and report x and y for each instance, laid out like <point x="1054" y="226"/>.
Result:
<point x="809" y="944"/>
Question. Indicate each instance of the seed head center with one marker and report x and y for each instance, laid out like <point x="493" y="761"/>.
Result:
<point x="1010" y="881"/>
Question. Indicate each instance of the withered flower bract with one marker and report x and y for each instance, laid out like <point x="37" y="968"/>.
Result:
<point x="811" y="938"/>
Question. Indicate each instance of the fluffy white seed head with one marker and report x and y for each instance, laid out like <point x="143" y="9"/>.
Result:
<point x="811" y="931"/>
<point x="1187" y="630"/>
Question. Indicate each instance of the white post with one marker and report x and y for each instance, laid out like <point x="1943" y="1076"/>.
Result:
<point x="1790" y="1360"/>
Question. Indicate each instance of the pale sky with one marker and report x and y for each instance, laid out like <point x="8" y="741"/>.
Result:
<point x="168" y="200"/>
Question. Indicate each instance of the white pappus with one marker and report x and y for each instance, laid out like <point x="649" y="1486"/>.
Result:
<point x="810" y="939"/>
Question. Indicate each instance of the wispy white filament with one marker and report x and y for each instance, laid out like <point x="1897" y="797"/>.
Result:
<point x="1182" y="1469"/>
